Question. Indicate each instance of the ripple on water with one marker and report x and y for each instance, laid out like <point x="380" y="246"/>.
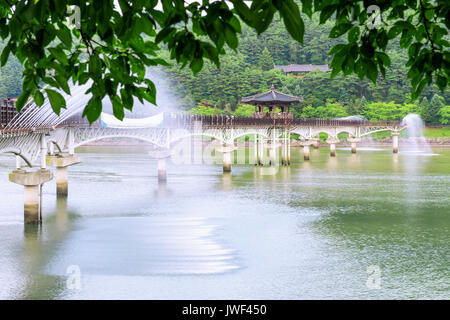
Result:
<point x="144" y="246"/>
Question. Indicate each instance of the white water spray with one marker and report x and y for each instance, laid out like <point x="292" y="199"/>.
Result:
<point x="415" y="142"/>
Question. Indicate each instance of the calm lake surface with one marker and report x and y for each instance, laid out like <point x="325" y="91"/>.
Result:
<point x="309" y="231"/>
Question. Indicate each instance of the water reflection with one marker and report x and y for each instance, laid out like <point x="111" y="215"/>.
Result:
<point x="306" y="231"/>
<point x="144" y="246"/>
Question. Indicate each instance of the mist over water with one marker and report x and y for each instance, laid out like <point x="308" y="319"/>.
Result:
<point x="415" y="142"/>
<point x="165" y="100"/>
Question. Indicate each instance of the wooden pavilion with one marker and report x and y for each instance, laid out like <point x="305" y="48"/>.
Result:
<point x="271" y="100"/>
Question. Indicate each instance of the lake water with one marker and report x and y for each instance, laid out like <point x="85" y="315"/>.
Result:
<point x="323" y="229"/>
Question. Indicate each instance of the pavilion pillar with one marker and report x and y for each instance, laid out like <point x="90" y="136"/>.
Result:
<point x="395" y="135"/>
<point x="332" y="142"/>
<point x="353" y="142"/>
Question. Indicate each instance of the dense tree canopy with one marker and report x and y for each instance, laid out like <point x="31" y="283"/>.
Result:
<point x="112" y="45"/>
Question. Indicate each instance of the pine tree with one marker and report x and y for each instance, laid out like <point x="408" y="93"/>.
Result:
<point x="265" y="60"/>
<point x="430" y="112"/>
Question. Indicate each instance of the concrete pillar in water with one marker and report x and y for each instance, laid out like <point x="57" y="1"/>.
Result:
<point x="332" y="142"/>
<point x="353" y="142"/>
<point x="31" y="182"/>
<point x="227" y="161"/>
<point x="62" y="163"/>
<point x="162" y="156"/>
<point x="283" y="150"/>
<point x="289" y="149"/>
<point x="273" y="157"/>
<point x="261" y="151"/>
<point x="162" y="172"/>
<point x="62" y="185"/>
<point x="306" y="149"/>
<point x="395" y="135"/>
<point x="255" y="150"/>
<point x="227" y="151"/>
<point x="273" y="148"/>
<point x="315" y="143"/>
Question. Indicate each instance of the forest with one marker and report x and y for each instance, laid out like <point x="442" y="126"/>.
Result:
<point x="249" y="70"/>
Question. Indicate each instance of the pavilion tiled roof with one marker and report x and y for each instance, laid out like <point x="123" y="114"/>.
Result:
<point x="303" y="67"/>
<point x="271" y="97"/>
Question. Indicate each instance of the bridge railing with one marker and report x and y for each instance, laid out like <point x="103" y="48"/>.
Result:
<point x="183" y="120"/>
<point x="180" y="120"/>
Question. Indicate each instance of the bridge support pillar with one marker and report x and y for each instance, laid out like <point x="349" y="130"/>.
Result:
<point x="61" y="163"/>
<point x="353" y="142"/>
<point x="227" y="151"/>
<point x="332" y="142"/>
<point x="273" y="149"/>
<point x="315" y="143"/>
<point x="255" y="150"/>
<point x="288" y="149"/>
<point x="395" y="135"/>
<point x="284" y="152"/>
<point x="226" y="161"/>
<point x="273" y="154"/>
<point x="162" y="156"/>
<point x="261" y="151"/>
<point x="162" y="172"/>
<point x="306" y="149"/>
<point x="31" y="182"/>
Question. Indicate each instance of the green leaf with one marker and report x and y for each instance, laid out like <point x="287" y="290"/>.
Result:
<point x="59" y="54"/>
<point x="230" y="37"/>
<point x="163" y="34"/>
<point x="38" y="98"/>
<point x="371" y="70"/>
<point x="93" y="109"/>
<point x="384" y="58"/>
<point x="337" y="48"/>
<point x="327" y="12"/>
<point x="244" y="12"/>
<point x="56" y="100"/>
<point x="23" y="98"/>
<point x="353" y="34"/>
<point x="340" y="29"/>
<point x="293" y="20"/>
<point x="63" y="83"/>
<point x="307" y="7"/>
<point x="234" y="22"/>
<point x="196" y="65"/>
<point x="4" y="56"/>
<point x="118" y="108"/>
<point x="441" y="82"/>
<point x="65" y="36"/>
<point x="393" y="32"/>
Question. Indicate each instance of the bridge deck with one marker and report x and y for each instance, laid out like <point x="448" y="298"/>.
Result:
<point x="182" y="120"/>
